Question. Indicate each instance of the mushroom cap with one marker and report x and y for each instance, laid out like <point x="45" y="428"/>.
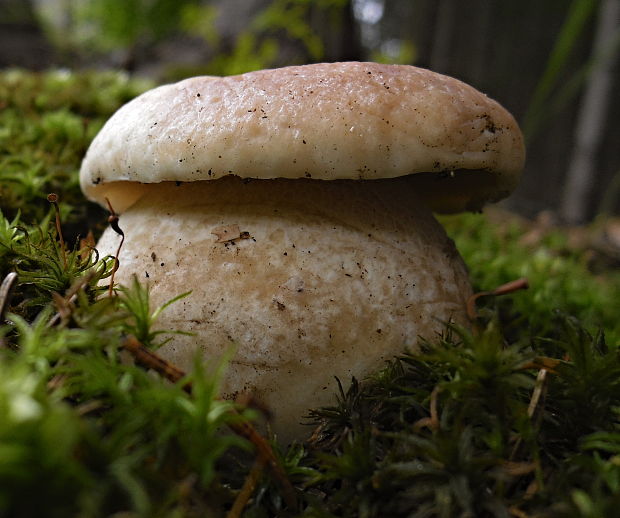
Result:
<point x="324" y="121"/>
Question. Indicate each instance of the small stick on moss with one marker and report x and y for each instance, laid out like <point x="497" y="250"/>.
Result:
<point x="247" y="490"/>
<point x="265" y="451"/>
<point x="56" y="382"/>
<point x="540" y="389"/>
<point x="64" y="308"/>
<point x="517" y="513"/>
<point x="6" y="291"/>
<point x="88" y="407"/>
<point x="248" y="400"/>
<point x="509" y="287"/>
<point x="542" y="362"/>
<point x="431" y="422"/>
<point x="87" y="246"/>
<point x="65" y="304"/>
<point x="53" y="199"/>
<point x="536" y="403"/>
<point x="148" y="359"/>
<point x="434" y="414"/>
<point x="113" y="221"/>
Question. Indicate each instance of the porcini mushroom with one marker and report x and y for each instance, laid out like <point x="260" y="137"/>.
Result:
<point x="296" y="205"/>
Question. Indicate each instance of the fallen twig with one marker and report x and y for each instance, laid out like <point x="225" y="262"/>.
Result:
<point x="247" y="490"/>
<point x="542" y="362"/>
<point x="534" y="408"/>
<point x="65" y="305"/>
<point x="539" y="392"/>
<point x="509" y="287"/>
<point x="6" y="291"/>
<point x="432" y="421"/>
<point x="147" y="358"/>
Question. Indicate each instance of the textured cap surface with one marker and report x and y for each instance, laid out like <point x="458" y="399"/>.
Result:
<point x="324" y="121"/>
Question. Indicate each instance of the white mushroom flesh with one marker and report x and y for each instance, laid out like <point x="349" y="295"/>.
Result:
<point x="304" y="280"/>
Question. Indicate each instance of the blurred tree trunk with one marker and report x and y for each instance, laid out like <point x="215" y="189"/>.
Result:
<point x="441" y="55"/>
<point x="22" y="42"/>
<point x="339" y="33"/>
<point x="582" y="168"/>
<point x="506" y="49"/>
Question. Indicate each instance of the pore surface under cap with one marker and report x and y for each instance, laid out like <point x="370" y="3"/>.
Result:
<point x="323" y="121"/>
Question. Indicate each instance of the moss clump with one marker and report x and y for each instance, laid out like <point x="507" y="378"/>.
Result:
<point x="47" y="121"/>
<point x="566" y="270"/>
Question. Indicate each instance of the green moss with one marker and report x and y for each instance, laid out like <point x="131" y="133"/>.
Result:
<point x="561" y="276"/>
<point x="46" y="123"/>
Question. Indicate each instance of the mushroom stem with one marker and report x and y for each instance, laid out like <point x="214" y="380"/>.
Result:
<point x="333" y="279"/>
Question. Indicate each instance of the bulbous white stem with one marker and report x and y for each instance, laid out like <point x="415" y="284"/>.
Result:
<point x="304" y="279"/>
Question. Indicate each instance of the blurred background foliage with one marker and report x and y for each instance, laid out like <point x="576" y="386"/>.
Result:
<point x="552" y="63"/>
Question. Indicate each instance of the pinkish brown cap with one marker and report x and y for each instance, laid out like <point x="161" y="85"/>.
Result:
<point x="324" y="121"/>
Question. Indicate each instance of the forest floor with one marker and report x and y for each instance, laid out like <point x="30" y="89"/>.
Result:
<point x="517" y="416"/>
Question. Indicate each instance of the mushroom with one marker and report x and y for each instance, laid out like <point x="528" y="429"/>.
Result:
<point x="296" y="204"/>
